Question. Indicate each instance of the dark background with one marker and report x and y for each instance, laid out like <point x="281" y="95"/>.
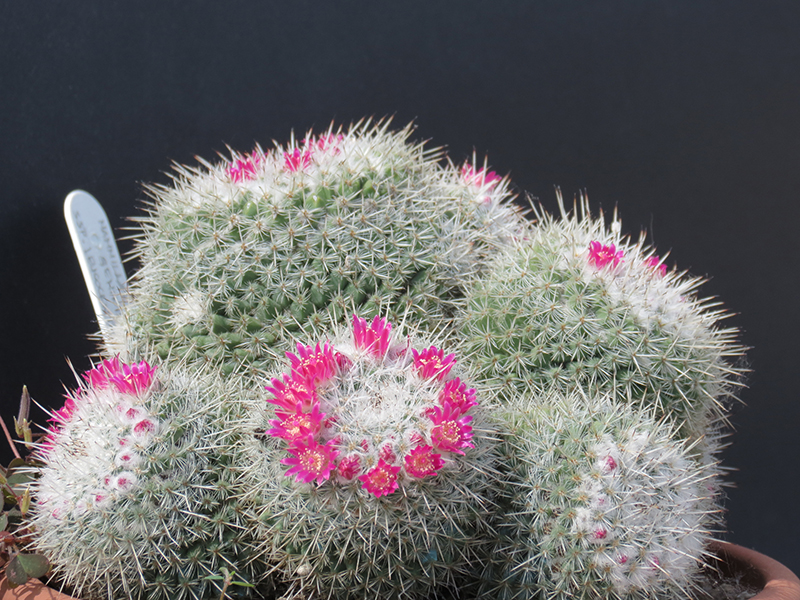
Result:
<point x="685" y="114"/>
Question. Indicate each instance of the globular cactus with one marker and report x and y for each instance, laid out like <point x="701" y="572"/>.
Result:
<point x="578" y="306"/>
<point x="136" y="496"/>
<point x="242" y="257"/>
<point x="373" y="471"/>
<point x="600" y="502"/>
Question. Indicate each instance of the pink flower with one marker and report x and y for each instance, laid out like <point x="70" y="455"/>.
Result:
<point x="479" y="177"/>
<point x="601" y="255"/>
<point x="432" y="362"/>
<point x="608" y="464"/>
<point x="422" y="462"/>
<point x="123" y="481"/>
<point x="451" y="431"/>
<point x="326" y="142"/>
<point x="310" y="460"/>
<point x="375" y="338"/>
<point x="64" y="414"/>
<point x="314" y="364"/>
<point x="456" y="393"/>
<point x="654" y="262"/>
<point x="99" y="376"/>
<point x="297" y="426"/>
<point x="294" y="394"/>
<point x="349" y="467"/>
<point x="244" y="168"/>
<point x="380" y="480"/>
<point x="296" y="160"/>
<point x="46" y="444"/>
<point x="133" y="379"/>
<point x="386" y="453"/>
<point x="128" y="379"/>
<point x="144" y="427"/>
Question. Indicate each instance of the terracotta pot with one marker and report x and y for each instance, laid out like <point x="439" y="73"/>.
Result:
<point x="775" y="581"/>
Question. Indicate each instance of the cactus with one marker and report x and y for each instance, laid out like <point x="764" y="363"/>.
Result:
<point x="390" y="468"/>
<point x="578" y="306"/>
<point x="600" y="502"/>
<point x="135" y="498"/>
<point x="241" y="258"/>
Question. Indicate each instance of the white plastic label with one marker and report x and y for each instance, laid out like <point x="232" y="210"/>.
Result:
<point x="98" y="255"/>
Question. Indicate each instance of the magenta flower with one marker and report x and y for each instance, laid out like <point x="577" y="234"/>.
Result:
<point x="654" y="262"/>
<point x="297" y="426"/>
<point x="387" y="454"/>
<point x="46" y="444"/>
<point x="296" y="160"/>
<point x="373" y="338"/>
<point x="422" y="462"/>
<point x="451" y="431"/>
<point x="608" y="464"/>
<point x="128" y="379"/>
<point x="326" y="142"/>
<point x="99" y="376"/>
<point x="244" y="168"/>
<point x="380" y="480"/>
<point x="456" y="393"/>
<point x="144" y="427"/>
<point x="294" y="394"/>
<point x="133" y="379"/>
<point x="64" y="414"/>
<point x="432" y="363"/>
<point x="314" y="364"/>
<point x="349" y="467"/>
<point x="310" y="460"/>
<point x="123" y="481"/>
<point x="601" y="255"/>
<point x="479" y="177"/>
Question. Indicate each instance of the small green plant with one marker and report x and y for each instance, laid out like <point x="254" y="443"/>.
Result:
<point x="20" y="564"/>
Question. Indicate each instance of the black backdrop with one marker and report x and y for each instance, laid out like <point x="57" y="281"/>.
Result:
<point x="684" y="113"/>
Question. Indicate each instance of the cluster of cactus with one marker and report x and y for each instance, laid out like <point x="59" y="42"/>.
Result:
<point x="570" y="450"/>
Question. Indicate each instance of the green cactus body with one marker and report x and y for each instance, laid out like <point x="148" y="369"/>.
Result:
<point x="241" y="258"/>
<point x="578" y="306"/>
<point x="135" y="498"/>
<point x="601" y="503"/>
<point x="388" y="469"/>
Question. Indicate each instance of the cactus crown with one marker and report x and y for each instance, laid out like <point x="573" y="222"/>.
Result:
<point x="136" y="496"/>
<point x="241" y="258"/>
<point x="391" y="467"/>
<point x="578" y="306"/>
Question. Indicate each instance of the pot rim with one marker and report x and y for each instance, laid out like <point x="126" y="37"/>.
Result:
<point x="776" y="581"/>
